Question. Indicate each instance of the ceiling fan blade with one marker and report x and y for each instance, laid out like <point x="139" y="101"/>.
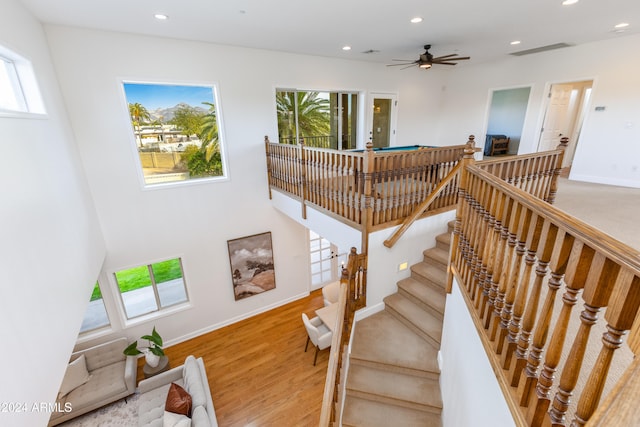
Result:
<point x="445" y="56"/>
<point x="459" y="58"/>
<point x="445" y="63"/>
<point x="405" y="60"/>
<point x="408" y="66"/>
<point x="405" y="63"/>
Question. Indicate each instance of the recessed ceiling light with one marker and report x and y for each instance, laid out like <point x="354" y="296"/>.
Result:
<point x="346" y="47"/>
<point x="416" y="20"/>
<point x="622" y="25"/>
<point x="161" y="16"/>
<point x="515" y="42"/>
<point x="569" y="2"/>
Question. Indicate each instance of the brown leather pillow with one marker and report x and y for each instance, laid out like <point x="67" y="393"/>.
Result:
<point x="178" y="401"/>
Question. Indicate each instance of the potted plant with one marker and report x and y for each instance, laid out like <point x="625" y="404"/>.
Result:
<point x="152" y="352"/>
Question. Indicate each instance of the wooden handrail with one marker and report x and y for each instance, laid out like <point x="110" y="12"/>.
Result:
<point x="422" y="207"/>
<point x="353" y="291"/>
<point x="327" y="413"/>
<point x="496" y="225"/>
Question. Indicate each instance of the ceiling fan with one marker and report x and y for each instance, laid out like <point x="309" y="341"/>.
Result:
<point x="426" y="60"/>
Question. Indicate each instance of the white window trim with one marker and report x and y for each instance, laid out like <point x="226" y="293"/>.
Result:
<point x="28" y="85"/>
<point x="132" y="143"/>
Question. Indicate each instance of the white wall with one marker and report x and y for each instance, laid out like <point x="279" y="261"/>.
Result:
<point x="608" y="150"/>
<point x="383" y="262"/>
<point x="197" y="220"/>
<point x="51" y="248"/>
<point x="471" y="395"/>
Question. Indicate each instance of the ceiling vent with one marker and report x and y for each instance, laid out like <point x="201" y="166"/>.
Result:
<point x="541" y="49"/>
<point x="371" y="51"/>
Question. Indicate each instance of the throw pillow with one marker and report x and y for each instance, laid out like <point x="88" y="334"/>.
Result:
<point x="175" y="420"/>
<point x="75" y="376"/>
<point x="178" y="401"/>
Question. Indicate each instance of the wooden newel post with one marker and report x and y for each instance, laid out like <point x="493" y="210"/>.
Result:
<point x="266" y="150"/>
<point x="553" y="188"/>
<point x="467" y="160"/>
<point x="367" y="203"/>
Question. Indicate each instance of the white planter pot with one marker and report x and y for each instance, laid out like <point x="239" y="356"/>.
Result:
<point x="152" y="359"/>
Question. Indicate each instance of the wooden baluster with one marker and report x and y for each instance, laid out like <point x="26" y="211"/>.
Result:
<point x="620" y="316"/>
<point x="510" y="277"/>
<point x="491" y="237"/>
<point x="530" y="373"/>
<point x="366" y="204"/>
<point x="502" y="262"/>
<point x="553" y="187"/>
<point x="541" y="399"/>
<point x="483" y="234"/>
<point x="521" y="283"/>
<point x="597" y="290"/>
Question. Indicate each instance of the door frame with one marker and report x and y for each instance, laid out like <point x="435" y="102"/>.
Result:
<point x="393" y="96"/>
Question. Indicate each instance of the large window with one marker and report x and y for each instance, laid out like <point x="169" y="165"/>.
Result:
<point x="96" y="315"/>
<point x="319" y="119"/>
<point x="152" y="287"/>
<point x="177" y="131"/>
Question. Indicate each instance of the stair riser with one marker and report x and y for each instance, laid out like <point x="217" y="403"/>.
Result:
<point x="438" y="286"/>
<point x="423" y="304"/>
<point x="391" y="401"/>
<point x="443" y="245"/>
<point x="433" y="340"/>
<point x="435" y="263"/>
<point x="392" y="368"/>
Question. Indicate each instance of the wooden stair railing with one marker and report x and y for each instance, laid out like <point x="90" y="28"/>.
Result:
<point x="506" y="245"/>
<point x="448" y="181"/>
<point x="353" y="291"/>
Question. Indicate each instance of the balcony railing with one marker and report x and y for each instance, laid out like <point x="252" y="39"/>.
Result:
<point x="523" y="266"/>
<point x="368" y="190"/>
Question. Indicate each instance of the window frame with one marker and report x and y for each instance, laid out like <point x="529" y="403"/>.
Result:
<point x="360" y="112"/>
<point x="131" y="139"/>
<point x="23" y="85"/>
<point x="160" y="311"/>
<point x="100" y="329"/>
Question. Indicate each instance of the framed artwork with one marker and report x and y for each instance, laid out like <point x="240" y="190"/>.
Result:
<point x="252" y="268"/>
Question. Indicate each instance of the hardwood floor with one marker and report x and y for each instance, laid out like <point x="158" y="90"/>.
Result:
<point x="258" y="372"/>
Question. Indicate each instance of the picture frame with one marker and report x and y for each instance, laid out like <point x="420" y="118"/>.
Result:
<point x="252" y="265"/>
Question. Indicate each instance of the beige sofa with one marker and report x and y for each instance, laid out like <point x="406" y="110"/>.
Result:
<point x="112" y="376"/>
<point x="192" y="376"/>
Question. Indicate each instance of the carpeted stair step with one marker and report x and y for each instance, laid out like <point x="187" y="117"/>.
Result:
<point x="430" y="299"/>
<point x="394" y="388"/>
<point x="383" y="342"/>
<point x="451" y="225"/>
<point x="363" y="412"/>
<point x="429" y="275"/>
<point x="415" y="318"/>
<point x="443" y="241"/>
<point x="437" y="257"/>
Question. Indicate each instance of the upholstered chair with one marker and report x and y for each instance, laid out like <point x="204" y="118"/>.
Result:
<point x="318" y="334"/>
<point x="330" y="293"/>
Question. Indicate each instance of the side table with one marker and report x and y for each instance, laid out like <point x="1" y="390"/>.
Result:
<point x="163" y="365"/>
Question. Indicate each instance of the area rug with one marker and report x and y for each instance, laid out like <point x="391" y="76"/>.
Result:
<point x="119" y="413"/>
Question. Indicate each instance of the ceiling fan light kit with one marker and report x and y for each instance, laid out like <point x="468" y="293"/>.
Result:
<point x="426" y="60"/>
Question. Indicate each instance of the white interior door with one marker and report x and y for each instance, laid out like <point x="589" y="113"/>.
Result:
<point x="382" y="117"/>
<point x="555" y="119"/>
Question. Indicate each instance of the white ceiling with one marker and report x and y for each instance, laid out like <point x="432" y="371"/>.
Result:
<point x="481" y="29"/>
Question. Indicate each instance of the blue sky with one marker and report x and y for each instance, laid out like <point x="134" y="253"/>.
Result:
<point x="154" y="96"/>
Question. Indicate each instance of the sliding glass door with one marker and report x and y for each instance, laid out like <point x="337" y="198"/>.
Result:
<point x="319" y="119"/>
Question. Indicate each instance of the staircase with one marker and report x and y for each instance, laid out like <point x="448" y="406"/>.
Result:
<point x="393" y="377"/>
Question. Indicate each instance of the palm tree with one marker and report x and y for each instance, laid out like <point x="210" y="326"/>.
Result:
<point x="138" y="113"/>
<point x="313" y="114"/>
<point x="209" y="132"/>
